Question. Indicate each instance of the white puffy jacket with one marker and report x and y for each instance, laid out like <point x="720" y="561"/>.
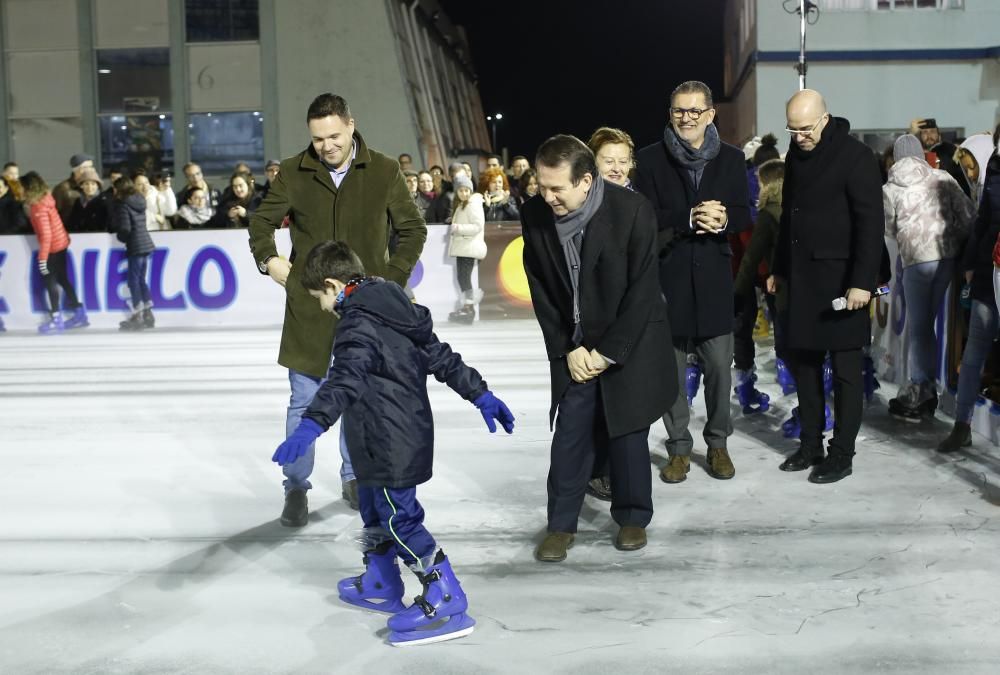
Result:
<point x="467" y="225"/>
<point x="926" y="211"/>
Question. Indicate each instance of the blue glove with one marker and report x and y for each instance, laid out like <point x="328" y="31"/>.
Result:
<point x="296" y="445"/>
<point x="493" y="408"/>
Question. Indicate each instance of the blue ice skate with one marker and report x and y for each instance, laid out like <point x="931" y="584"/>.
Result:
<point x="792" y="427"/>
<point x="871" y="384"/>
<point x="827" y="376"/>
<point x="436" y="615"/>
<point x="380" y="587"/>
<point x="785" y="378"/>
<point x="693" y="380"/>
<point x="753" y="401"/>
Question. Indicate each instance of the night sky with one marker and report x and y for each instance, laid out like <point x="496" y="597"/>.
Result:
<point x="565" y="66"/>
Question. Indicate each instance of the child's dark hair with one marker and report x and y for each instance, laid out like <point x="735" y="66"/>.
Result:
<point x="331" y="260"/>
<point x="124" y="188"/>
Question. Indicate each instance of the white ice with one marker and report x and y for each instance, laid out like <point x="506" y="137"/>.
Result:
<point x="139" y="533"/>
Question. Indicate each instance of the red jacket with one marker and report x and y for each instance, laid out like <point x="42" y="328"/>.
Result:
<point x="48" y="226"/>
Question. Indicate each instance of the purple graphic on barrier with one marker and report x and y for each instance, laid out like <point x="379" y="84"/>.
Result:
<point x="3" y="303"/>
<point x="226" y="296"/>
<point x="117" y="278"/>
<point x="417" y="275"/>
<point x="160" y="300"/>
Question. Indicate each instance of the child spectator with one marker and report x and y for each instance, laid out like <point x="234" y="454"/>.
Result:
<point x="128" y="217"/>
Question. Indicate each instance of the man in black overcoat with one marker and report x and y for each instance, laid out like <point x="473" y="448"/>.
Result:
<point x="590" y="259"/>
<point x="698" y="186"/>
<point x="829" y="246"/>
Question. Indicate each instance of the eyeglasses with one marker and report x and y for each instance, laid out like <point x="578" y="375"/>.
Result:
<point x="693" y="113"/>
<point x="806" y="133"/>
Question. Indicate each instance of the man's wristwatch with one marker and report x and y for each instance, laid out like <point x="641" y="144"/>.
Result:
<point x="262" y="266"/>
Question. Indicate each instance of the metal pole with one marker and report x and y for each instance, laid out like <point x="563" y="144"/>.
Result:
<point x="802" y="43"/>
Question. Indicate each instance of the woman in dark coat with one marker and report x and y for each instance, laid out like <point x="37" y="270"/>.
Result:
<point x="236" y="210"/>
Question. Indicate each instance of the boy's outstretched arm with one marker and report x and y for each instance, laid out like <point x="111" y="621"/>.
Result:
<point x="355" y="354"/>
<point x="447" y="367"/>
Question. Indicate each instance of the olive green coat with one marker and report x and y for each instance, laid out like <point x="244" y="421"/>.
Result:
<point x="371" y="201"/>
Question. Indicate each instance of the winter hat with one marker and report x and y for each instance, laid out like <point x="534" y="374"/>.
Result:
<point x="461" y="180"/>
<point x="751" y="147"/>
<point x="272" y="162"/>
<point x="78" y="159"/>
<point x="89" y="174"/>
<point x="907" y="145"/>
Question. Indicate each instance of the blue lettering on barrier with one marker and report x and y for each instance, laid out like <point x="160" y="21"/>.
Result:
<point x="224" y="297"/>
<point x="117" y="277"/>
<point x="160" y="301"/>
<point x="91" y="298"/>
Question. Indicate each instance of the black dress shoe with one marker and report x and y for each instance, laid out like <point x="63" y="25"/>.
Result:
<point x="801" y="460"/>
<point x="296" y="512"/>
<point x="600" y="488"/>
<point x="833" y="468"/>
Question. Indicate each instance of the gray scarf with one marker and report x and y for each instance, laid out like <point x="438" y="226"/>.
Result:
<point x="570" y="230"/>
<point x="693" y="159"/>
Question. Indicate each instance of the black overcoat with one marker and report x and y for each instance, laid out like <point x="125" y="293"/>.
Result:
<point x="622" y="312"/>
<point x="830" y="238"/>
<point x="695" y="269"/>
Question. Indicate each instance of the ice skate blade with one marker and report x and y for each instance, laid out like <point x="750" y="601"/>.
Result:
<point x="399" y="639"/>
<point x="387" y="607"/>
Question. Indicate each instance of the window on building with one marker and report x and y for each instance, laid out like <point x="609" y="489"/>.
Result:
<point x="222" y="20"/>
<point x="219" y="140"/>
<point x="137" y="141"/>
<point x="133" y="80"/>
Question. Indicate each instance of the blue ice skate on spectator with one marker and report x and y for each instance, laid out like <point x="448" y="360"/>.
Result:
<point x="792" y="427"/>
<point x="785" y="378"/>
<point x="752" y="400"/>
<point x="437" y="614"/>
<point x="871" y="384"/>
<point x="692" y="379"/>
<point x="380" y="587"/>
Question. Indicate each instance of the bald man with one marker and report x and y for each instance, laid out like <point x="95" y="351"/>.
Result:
<point x="829" y="246"/>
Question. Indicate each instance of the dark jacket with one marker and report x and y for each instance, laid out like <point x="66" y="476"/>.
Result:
<point x="760" y="249"/>
<point x="371" y="201"/>
<point x="695" y="271"/>
<point x="13" y="218"/>
<point x="978" y="255"/>
<point x="500" y="212"/>
<point x="831" y="238"/>
<point x="945" y="152"/>
<point x="221" y="218"/>
<point x="384" y="351"/>
<point x="93" y="216"/>
<point x="622" y="312"/>
<point x="439" y="210"/>
<point x="128" y="221"/>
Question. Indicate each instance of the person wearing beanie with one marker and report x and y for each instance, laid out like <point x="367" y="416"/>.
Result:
<point x="67" y="193"/>
<point x="466" y="243"/>
<point x="271" y="169"/>
<point x="929" y="216"/>
<point x="90" y="212"/>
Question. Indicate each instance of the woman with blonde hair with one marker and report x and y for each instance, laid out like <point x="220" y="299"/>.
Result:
<point x="615" y="154"/>
<point x="53" y="242"/>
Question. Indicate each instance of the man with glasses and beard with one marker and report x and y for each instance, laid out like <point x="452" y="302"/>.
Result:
<point x="698" y="187"/>
<point x="829" y="246"/>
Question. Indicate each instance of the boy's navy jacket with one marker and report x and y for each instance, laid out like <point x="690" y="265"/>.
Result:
<point x="384" y="350"/>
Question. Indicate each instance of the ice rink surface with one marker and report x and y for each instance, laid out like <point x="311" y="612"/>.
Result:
<point x="139" y="533"/>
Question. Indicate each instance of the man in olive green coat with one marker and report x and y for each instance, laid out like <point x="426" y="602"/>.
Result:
<point x="337" y="188"/>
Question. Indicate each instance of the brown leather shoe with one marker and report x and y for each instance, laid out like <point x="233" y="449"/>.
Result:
<point x="553" y="548"/>
<point x="630" y="538"/>
<point x="719" y="464"/>
<point x="676" y="469"/>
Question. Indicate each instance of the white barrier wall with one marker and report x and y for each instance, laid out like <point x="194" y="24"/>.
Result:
<point x="197" y="278"/>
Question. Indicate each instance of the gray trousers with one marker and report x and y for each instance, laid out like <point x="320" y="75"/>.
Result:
<point x="715" y="355"/>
